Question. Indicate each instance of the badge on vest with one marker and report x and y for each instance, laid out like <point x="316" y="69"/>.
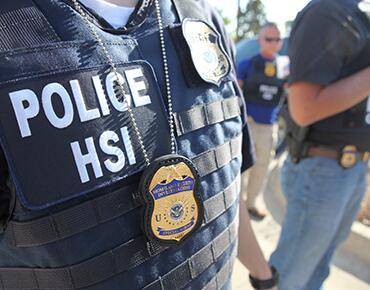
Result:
<point x="208" y="55"/>
<point x="173" y="207"/>
<point x="270" y="69"/>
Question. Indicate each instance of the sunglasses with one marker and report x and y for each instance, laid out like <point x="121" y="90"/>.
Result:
<point x="271" y="39"/>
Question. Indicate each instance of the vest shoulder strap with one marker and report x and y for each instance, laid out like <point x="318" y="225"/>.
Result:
<point x="190" y="9"/>
<point x="10" y="6"/>
<point x="23" y="25"/>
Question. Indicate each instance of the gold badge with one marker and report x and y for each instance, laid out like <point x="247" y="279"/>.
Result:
<point x="348" y="157"/>
<point x="270" y="69"/>
<point x="170" y="189"/>
<point x="208" y="55"/>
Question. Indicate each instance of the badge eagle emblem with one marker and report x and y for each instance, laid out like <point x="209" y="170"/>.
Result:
<point x="173" y="209"/>
<point x="208" y="55"/>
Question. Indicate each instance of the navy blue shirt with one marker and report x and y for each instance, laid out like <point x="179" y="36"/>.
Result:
<point x="260" y="113"/>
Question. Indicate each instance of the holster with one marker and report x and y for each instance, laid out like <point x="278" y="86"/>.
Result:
<point x="296" y="136"/>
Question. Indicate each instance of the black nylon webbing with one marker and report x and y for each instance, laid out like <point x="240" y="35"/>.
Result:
<point x="95" y="270"/>
<point x="207" y="114"/>
<point x="71" y="221"/>
<point x="94" y="212"/>
<point x="197" y="264"/>
<point x="212" y="160"/>
<point x="221" y="201"/>
<point x="222" y="276"/>
<point x="23" y="25"/>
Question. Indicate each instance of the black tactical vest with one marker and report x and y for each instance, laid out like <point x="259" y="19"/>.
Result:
<point x="74" y="161"/>
<point x="262" y="86"/>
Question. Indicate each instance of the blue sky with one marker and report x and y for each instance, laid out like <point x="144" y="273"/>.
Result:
<point x="278" y="11"/>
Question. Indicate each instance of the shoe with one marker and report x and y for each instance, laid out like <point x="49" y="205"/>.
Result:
<point x="256" y="213"/>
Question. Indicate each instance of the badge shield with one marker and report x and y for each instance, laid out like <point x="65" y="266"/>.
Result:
<point x="209" y="57"/>
<point x="173" y="209"/>
<point x="270" y="69"/>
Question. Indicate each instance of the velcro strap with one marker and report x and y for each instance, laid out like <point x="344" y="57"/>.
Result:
<point x="212" y="160"/>
<point x="207" y="114"/>
<point x="222" y="276"/>
<point x="97" y="269"/>
<point x="24" y="26"/>
<point x="71" y="221"/>
<point x="92" y="213"/>
<point x="221" y="201"/>
<point x="197" y="264"/>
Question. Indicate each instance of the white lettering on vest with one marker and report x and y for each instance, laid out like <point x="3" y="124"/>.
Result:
<point x="268" y="92"/>
<point x="84" y="113"/>
<point x="23" y="113"/>
<point x="137" y="86"/>
<point x="108" y="143"/>
<point x="56" y="89"/>
<point x="101" y="96"/>
<point x="128" y="145"/>
<point x="119" y="105"/>
<point x="104" y="140"/>
<point x="26" y="103"/>
<point x="82" y="160"/>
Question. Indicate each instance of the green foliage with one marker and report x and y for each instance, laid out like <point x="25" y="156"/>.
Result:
<point x="250" y="19"/>
<point x="226" y="20"/>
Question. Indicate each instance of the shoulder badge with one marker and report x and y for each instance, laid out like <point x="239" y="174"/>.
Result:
<point x="209" y="57"/>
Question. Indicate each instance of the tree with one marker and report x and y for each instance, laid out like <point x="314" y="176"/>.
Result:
<point x="226" y="20"/>
<point x="249" y="19"/>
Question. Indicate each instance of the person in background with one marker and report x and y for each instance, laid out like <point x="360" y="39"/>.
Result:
<point x="324" y="177"/>
<point x="262" y="80"/>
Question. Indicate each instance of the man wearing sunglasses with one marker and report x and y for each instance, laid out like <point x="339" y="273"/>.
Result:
<point x="262" y="80"/>
<point x="324" y="177"/>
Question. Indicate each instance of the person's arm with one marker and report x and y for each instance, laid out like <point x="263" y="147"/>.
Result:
<point x="242" y="72"/>
<point x="249" y="252"/>
<point x="241" y="83"/>
<point x="309" y="103"/>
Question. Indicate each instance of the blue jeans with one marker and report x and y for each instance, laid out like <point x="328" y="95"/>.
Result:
<point x="323" y="201"/>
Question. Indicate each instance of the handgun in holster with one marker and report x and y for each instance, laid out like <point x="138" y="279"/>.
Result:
<point x="296" y="136"/>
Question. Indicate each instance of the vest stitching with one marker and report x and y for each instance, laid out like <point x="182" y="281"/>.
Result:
<point x="35" y="277"/>
<point x="54" y="224"/>
<point x="69" y="272"/>
<point x="96" y="211"/>
<point x="2" y="282"/>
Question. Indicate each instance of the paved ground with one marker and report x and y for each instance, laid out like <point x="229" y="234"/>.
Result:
<point x="267" y="233"/>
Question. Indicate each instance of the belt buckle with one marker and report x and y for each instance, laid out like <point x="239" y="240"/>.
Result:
<point x="348" y="156"/>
